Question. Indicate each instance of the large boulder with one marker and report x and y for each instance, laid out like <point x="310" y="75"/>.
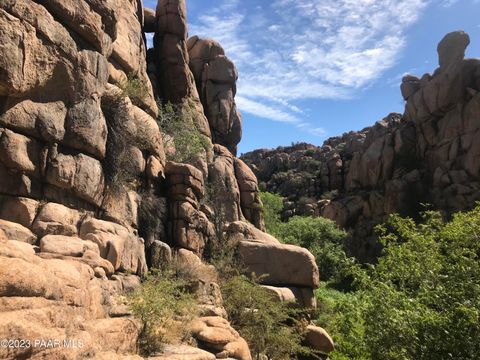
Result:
<point x="19" y="210"/>
<point x="56" y="219"/>
<point x="14" y="231"/>
<point x="279" y="264"/>
<point x="275" y="263"/>
<point x="121" y="247"/>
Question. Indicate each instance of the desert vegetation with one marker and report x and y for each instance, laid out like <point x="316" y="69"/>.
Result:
<point x="419" y="301"/>
<point x="165" y="306"/>
<point x="181" y="136"/>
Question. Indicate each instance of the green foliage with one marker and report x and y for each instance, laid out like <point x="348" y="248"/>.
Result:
<point x="268" y="326"/>
<point x="164" y="306"/>
<point x="272" y="208"/>
<point x="179" y="127"/>
<point x="329" y="195"/>
<point x="134" y="88"/>
<point x="324" y="240"/>
<point x="341" y="314"/>
<point x="320" y="236"/>
<point x="422" y="300"/>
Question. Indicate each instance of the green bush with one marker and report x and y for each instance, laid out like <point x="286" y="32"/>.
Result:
<point x="164" y="306"/>
<point x="341" y="314"/>
<point x="268" y="326"/>
<point x="272" y="208"/>
<point x="323" y="239"/>
<point x="179" y="128"/>
<point x="134" y="88"/>
<point x="422" y="300"/>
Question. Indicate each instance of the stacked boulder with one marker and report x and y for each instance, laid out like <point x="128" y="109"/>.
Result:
<point x="215" y="77"/>
<point x="190" y="228"/>
<point x="249" y="194"/>
<point x="170" y="62"/>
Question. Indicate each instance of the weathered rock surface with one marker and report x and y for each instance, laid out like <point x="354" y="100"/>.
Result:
<point x="183" y="352"/>
<point x="277" y="264"/>
<point x="58" y="299"/>
<point x="217" y="334"/>
<point x="215" y="77"/>
<point x="189" y="226"/>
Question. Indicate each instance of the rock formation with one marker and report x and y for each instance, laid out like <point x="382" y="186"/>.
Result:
<point x="216" y="76"/>
<point x="88" y="198"/>
<point x="426" y="155"/>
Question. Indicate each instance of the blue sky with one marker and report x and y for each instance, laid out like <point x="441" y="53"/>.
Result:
<point x="311" y="69"/>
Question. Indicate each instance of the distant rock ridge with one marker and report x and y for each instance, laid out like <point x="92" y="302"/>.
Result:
<point x="427" y="155"/>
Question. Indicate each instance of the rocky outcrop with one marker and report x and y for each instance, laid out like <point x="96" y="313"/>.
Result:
<point x="215" y="77"/>
<point x="89" y="199"/>
<point x="62" y="298"/>
<point x="190" y="227"/>
<point x="426" y="155"/>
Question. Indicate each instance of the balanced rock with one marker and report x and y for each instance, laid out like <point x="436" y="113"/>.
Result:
<point x="452" y="48"/>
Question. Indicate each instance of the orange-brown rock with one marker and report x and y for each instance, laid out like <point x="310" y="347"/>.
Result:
<point x="319" y="339"/>
<point x="216" y="77"/>
<point x="217" y="334"/>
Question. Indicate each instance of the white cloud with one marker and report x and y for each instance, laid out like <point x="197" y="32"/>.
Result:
<point x="265" y="111"/>
<point x="307" y="49"/>
<point x="272" y="112"/>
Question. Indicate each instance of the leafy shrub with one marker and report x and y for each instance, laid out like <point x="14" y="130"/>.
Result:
<point x="324" y="240"/>
<point x="341" y="314"/>
<point x="272" y="208"/>
<point x="134" y="88"/>
<point x="421" y="301"/>
<point x="179" y="128"/>
<point x="164" y="306"/>
<point x="268" y="326"/>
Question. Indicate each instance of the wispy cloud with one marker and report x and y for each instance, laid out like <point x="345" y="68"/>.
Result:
<point x="287" y="50"/>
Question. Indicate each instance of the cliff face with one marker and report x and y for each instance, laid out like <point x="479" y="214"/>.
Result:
<point x="88" y="200"/>
<point x="427" y="155"/>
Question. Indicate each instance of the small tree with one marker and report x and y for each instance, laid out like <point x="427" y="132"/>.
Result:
<point x="164" y="306"/>
<point x="272" y="208"/>
<point x="179" y="128"/>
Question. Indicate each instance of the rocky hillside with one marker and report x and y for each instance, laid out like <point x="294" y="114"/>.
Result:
<point x="93" y="193"/>
<point x="427" y="155"/>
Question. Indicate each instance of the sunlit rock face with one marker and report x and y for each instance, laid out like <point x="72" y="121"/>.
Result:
<point x="89" y="200"/>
